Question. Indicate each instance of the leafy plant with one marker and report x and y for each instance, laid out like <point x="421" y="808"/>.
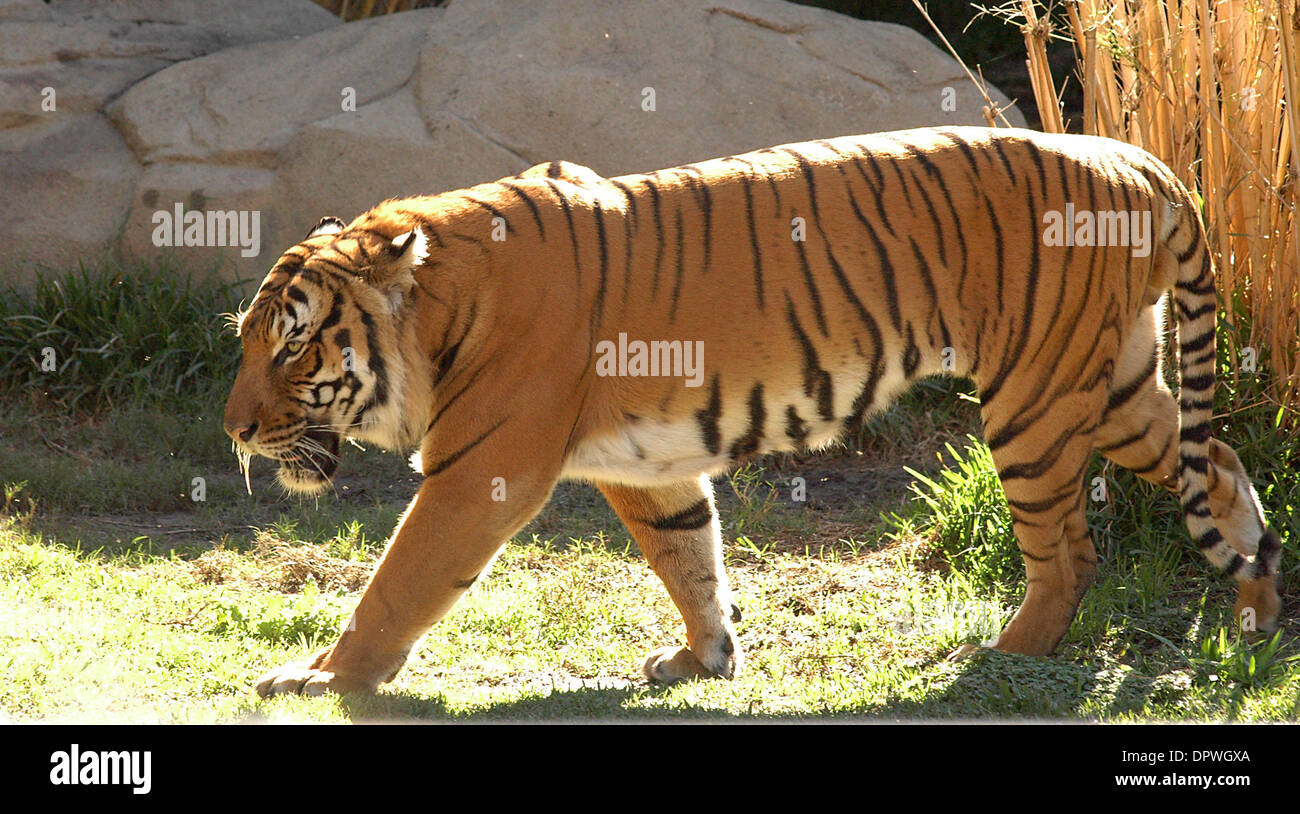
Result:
<point x="968" y="521"/>
<point x="1238" y="661"/>
<point x="303" y="622"/>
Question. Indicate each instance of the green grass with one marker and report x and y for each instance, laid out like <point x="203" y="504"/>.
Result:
<point x="835" y="626"/>
<point x="559" y="629"/>
<point x="113" y="334"/>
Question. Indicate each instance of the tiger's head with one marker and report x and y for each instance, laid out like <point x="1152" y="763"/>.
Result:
<point x="322" y="355"/>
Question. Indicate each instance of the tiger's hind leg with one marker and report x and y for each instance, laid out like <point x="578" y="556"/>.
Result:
<point x="1041" y="447"/>
<point x="677" y="529"/>
<point x="1044" y="488"/>
<point x="1141" y="433"/>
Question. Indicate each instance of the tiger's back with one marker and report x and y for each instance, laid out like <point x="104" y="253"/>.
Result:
<point x="859" y="265"/>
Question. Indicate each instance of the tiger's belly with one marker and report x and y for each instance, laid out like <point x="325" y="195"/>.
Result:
<point x="648" y="451"/>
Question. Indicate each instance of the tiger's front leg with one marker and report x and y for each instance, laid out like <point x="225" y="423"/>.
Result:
<point x="448" y="535"/>
<point x="677" y="528"/>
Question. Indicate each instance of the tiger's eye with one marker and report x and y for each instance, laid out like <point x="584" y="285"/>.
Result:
<point x="293" y="347"/>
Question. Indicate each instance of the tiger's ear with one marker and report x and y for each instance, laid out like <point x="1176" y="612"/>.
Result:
<point x="393" y="273"/>
<point x="327" y="226"/>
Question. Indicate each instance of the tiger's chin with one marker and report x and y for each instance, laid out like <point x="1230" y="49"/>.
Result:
<point x="311" y="469"/>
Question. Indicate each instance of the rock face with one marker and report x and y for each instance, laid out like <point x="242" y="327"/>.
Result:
<point x="68" y="176"/>
<point x="281" y="110"/>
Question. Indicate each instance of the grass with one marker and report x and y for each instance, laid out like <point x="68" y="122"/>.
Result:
<point x="560" y="627"/>
<point x="125" y="599"/>
<point x="116" y="334"/>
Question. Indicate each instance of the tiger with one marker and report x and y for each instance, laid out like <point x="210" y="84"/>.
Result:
<point x="815" y="282"/>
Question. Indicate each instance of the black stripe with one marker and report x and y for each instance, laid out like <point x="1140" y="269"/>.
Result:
<point x="927" y="280"/>
<point x="376" y="359"/>
<point x="795" y="428"/>
<point x="1192" y="247"/>
<point x="443" y="464"/>
<point x="1047" y="458"/>
<point x="1128" y="439"/>
<point x="1120" y="397"/>
<point x="1196" y="463"/>
<point x="627" y="193"/>
<point x="1193" y="314"/>
<point x="1193" y="345"/>
<point x="695" y="516"/>
<point x="1006" y="163"/>
<point x="747" y="444"/>
<point x="659" y="234"/>
<point x="497" y="213"/>
<point x="934" y="173"/>
<point x="875" y="194"/>
<point x="816" y="382"/>
<point x="333" y="317"/>
<point x="1040" y="506"/>
<point x="807" y="170"/>
<point x="884" y="265"/>
<point x="1209" y="539"/>
<point x="753" y="238"/>
<point x="708" y="419"/>
<point x="681" y="255"/>
<point x="532" y="207"/>
<point x="602" y="238"/>
<point x="911" y="356"/>
<point x="1234" y="565"/>
<point x="705" y="200"/>
<point x="568" y="216"/>
<point x="812" y="286"/>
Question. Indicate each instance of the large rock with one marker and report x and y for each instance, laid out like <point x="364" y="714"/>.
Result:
<point x="69" y="178"/>
<point x="65" y="196"/>
<point x="241" y="105"/>
<point x="443" y="98"/>
<point x="545" y="82"/>
<point x="351" y="161"/>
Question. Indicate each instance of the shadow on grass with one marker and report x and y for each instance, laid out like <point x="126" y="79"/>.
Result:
<point x="993" y="686"/>
<point x="1152" y="677"/>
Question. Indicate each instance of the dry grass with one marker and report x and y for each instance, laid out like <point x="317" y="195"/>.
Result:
<point x="280" y="565"/>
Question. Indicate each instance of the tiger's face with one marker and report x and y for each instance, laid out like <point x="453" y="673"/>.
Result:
<point x="320" y="356"/>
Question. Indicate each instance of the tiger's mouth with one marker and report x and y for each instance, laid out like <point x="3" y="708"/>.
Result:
<point x="311" y="464"/>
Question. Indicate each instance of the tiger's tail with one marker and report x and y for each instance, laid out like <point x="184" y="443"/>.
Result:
<point x="1195" y="305"/>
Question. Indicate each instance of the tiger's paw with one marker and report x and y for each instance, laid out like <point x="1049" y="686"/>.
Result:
<point x="1258" y="606"/>
<point x="671" y="664"/>
<point x="299" y="679"/>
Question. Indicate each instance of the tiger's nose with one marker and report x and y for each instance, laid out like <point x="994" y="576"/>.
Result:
<point x="243" y="433"/>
